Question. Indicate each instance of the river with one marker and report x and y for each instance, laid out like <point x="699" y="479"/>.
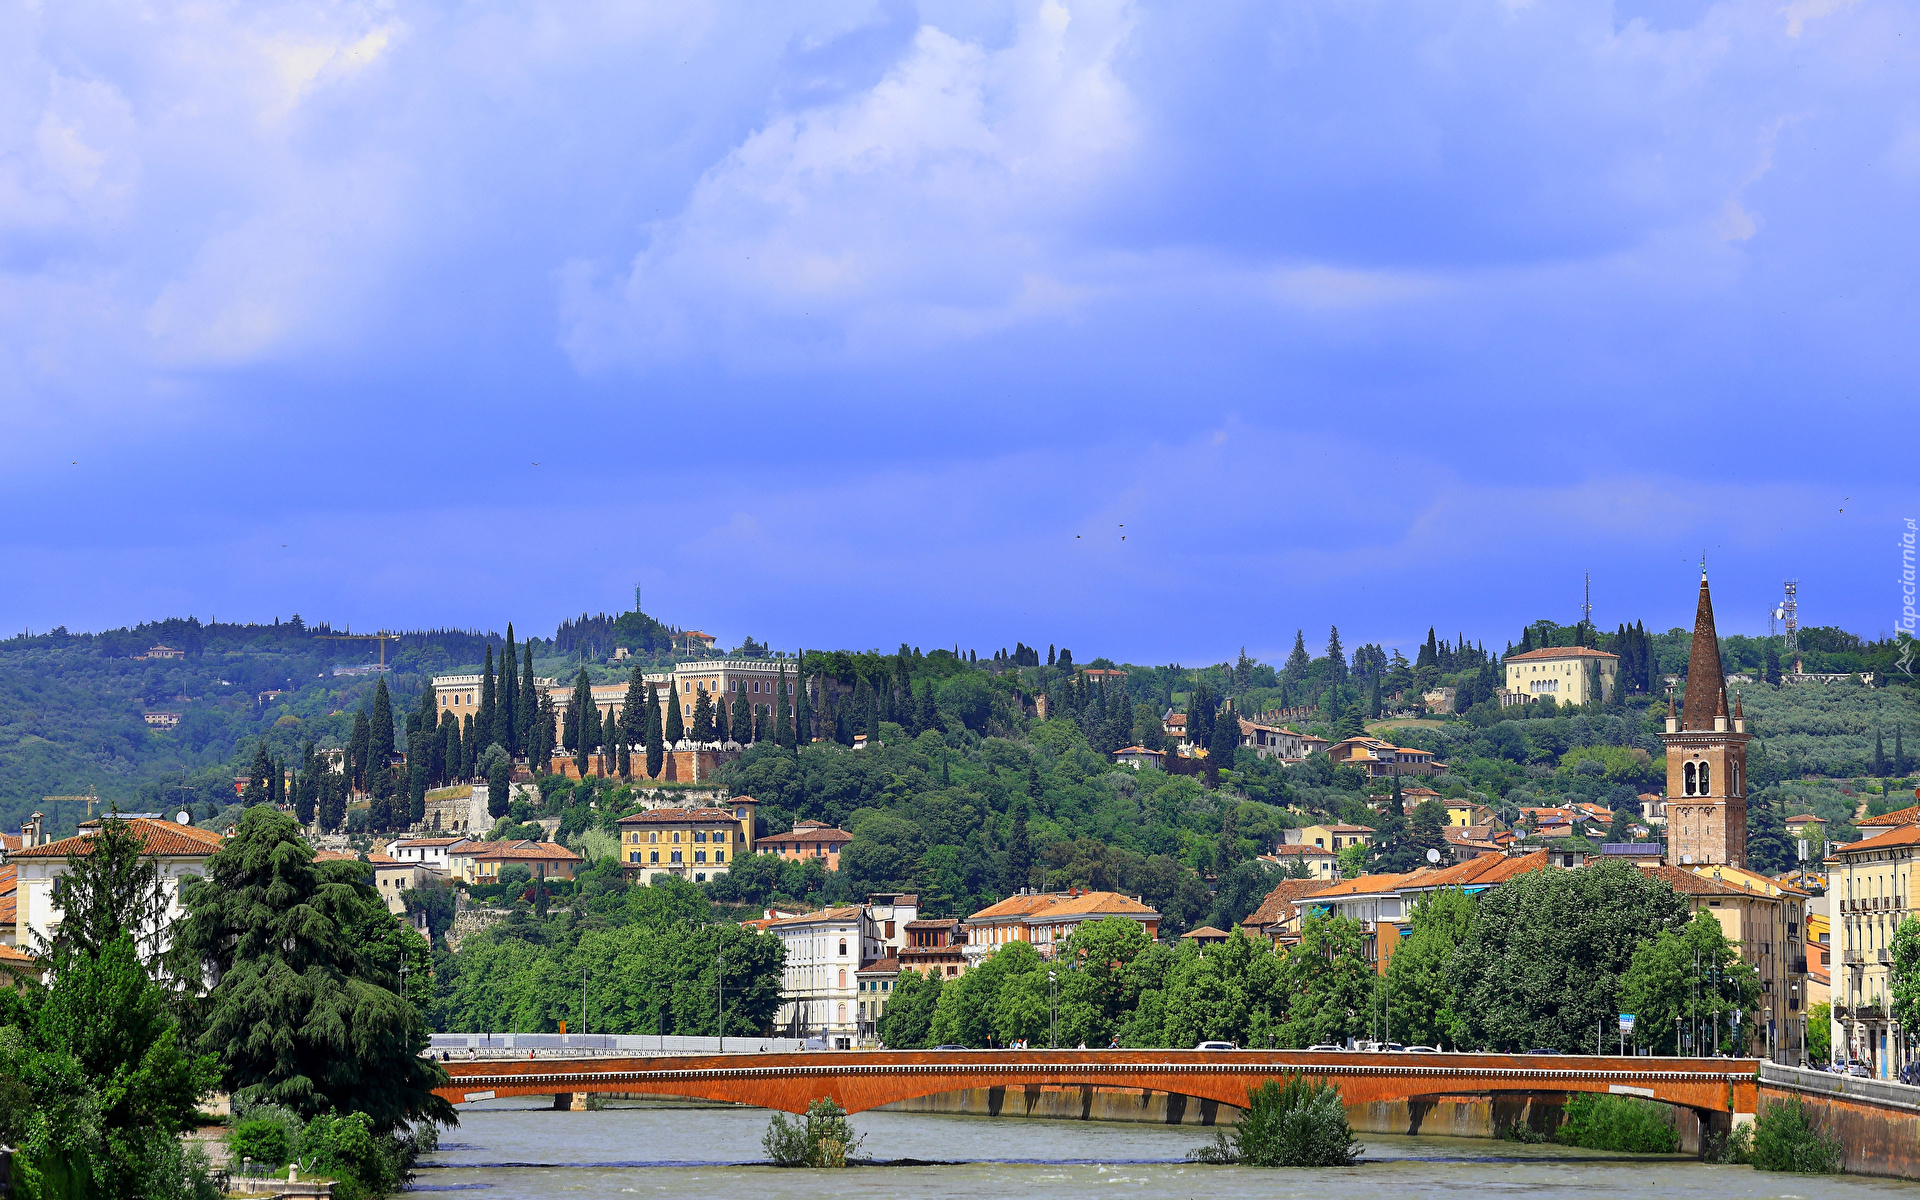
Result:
<point x="520" y="1150"/>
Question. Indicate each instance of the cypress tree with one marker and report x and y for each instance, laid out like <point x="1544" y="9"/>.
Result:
<point x="449" y="748"/>
<point x="1337" y="657"/>
<point x="357" y="750"/>
<point x="722" y="721"/>
<point x="505" y="729"/>
<point x="1900" y="764"/>
<point x="1228" y="850"/>
<point x="527" y="712"/>
<point x="782" y="722"/>
<point x="676" y="728"/>
<point x="483" y="720"/>
<point x="656" y="750"/>
<point x="741" y="726"/>
<point x="926" y="716"/>
<point x="873" y="716"/>
<point x="1200" y="706"/>
<point x="1373" y="699"/>
<point x="586" y="721"/>
<point x="1879" y="756"/>
<point x="469" y="753"/>
<point x="1019" y="852"/>
<point x="633" y="709"/>
<point x="380" y="750"/>
<point x="609" y="740"/>
<point x="545" y="718"/>
<point x="417" y="761"/>
<point x="259" y="774"/>
<point x="702" y="716"/>
<point x="306" y="790"/>
<point x="333" y="800"/>
<point x="625" y="763"/>
<point x="802" y="709"/>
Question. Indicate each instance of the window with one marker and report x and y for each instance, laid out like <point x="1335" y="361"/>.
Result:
<point x="634" y="856"/>
<point x="889" y="929"/>
<point x="719" y="856"/>
<point x="700" y="856"/>
<point x="652" y="856"/>
<point x="699" y="835"/>
<point x="676" y="856"/>
<point x="1688" y="773"/>
<point x="699" y="878"/>
<point x="676" y="835"/>
<point x="1706" y="775"/>
<point x="843" y="978"/>
<point x="843" y="949"/>
<point x="653" y="837"/>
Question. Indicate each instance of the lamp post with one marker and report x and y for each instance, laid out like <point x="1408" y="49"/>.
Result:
<point x="720" y="988"/>
<point x="403" y="981"/>
<point x="1053" y="1018"/>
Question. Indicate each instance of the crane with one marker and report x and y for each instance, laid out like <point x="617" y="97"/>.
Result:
<point x="382" y="638"/>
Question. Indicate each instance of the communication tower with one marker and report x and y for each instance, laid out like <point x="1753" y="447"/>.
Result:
<point x="1790" y="615"/>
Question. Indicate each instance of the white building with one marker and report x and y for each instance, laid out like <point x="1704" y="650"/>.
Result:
<point x="180" y="850"/>
<point x="425" y="852"/>
<point x="825" y="950"/>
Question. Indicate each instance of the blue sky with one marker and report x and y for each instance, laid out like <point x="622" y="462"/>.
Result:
<point x="855" y="323"/>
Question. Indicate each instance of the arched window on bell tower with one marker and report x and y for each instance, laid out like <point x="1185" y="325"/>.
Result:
<point x="1706" y="779"/>
<point x="1690" y="778"/>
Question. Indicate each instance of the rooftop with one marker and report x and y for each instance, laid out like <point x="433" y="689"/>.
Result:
<point x="1048" y="905"/>
<point x="679" y="816"/>
<point x="1552" y="652"/>
<point x="162" y="838"/>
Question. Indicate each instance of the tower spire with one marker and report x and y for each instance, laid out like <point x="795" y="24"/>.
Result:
<point x="1705" y="679"/>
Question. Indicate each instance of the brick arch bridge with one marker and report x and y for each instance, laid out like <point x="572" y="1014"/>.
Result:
<point x="860" y="1080"/>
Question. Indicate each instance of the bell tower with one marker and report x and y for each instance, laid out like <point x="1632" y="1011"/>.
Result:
<point x="1706" y="758"/>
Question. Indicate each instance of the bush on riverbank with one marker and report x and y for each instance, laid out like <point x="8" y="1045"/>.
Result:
<point x="1618" y="1123"/>
<point x="823" y="1137"/>
<point x="1789" y="1136"/>
<point x="1299" y="1124"/>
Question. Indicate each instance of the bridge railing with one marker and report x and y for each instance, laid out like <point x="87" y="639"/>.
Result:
<point x="492" y="1045"/>
<point x="1826" y="1083"/>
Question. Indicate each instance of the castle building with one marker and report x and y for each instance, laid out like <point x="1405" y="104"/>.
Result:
<point x="1706" y="758"/>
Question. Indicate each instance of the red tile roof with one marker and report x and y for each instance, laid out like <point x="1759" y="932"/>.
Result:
<point x="156" y="837"/>
<point x="1047" y="906"/>
<point x="679" y="816"/>
<point x="547" y="851"/>
<point x="1901" y="835"/>
<point x="1905" y="816"/>
<point x="1560" y="652"/>
<point x="1689" y="884"/>
<point x="889" y="965"/>
<point x="1301" y="851"/>
<point x="819" y="833"/>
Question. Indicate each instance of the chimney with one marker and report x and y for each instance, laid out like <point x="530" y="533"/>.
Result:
<point x="30" y="835"/>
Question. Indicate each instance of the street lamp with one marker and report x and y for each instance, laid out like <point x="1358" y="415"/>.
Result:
<point x="720" y="987"/>
<point x="1053" y="1018"/>
<point x="403" y="981"/>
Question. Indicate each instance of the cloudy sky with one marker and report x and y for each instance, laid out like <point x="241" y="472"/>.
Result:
<point x="1150" y="329"/>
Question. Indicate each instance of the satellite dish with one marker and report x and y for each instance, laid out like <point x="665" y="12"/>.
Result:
<point x="181" y="818"/>
<point x="1433" y="856"/>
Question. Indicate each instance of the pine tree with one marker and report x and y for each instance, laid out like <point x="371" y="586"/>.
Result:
<point x="1336" y="657"/>
<point x="702" y="716"/>
<point x="741" y="726"/>
<point x="505" y="728"/>
<point x="1299" y="663"/>
<point x="676" y="728"/>
<point x="782" y="713"/>
<point x="656" y="749"/>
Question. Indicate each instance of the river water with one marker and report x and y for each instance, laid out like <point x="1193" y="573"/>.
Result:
<point x="511" y="1149"/>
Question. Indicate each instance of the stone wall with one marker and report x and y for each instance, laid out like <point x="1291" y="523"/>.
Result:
<point x="1878" y="1121"/>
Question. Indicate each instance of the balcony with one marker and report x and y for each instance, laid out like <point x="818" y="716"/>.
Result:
<point x="1798" y="966"/>
<point x="1853" y="958"/>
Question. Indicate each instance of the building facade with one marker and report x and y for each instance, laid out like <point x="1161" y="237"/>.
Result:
<point x="808" y="839"/>
<point x="179" y="851"/>
<point x="1046" y="919"/>
<point x="1868" y="885"/>
<point x="1379" y="758"/>
<point x="1569" y="674"/>
<point x="697" y="844"/>
<point x="820" y="991"/>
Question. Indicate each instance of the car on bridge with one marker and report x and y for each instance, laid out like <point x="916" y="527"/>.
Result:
<point x="1216" y="1046"/>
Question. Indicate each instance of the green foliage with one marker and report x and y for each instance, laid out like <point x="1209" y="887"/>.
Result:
<point x="1905" y="985"/>
<point x="907" y="1022"/>
<point x="1788" y="1135"/>
<point x="1421" y="1004"/>
<point x="1329" y="983"/>
<point x="822" y="1137"/>
<point x="1543" y="960"/>
<point x="1820" y="1033"/>
<point x="307" y="1012"/>
<point x="110" y="892"/>
<point x="1298" y="1124"/>
<point x="1625" y="1123"/>
<point x="268" y="1140"/>
<point x="1675" y="978"/>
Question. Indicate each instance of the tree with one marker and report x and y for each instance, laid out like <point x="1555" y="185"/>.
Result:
<point x="1694" y="977"/>
<point x="499" y="788"/>
<point x="486" y="717"/>
<point x="259" y="776"/>
<point x="1772" y="671"/>
<point x="1542" y="963"/>
<point x="702" y="716"/>
<point x="1200" y="706"/>
<point x="1879" y="755"/>
<point x="633" y="709"/>
<point x="656" y="749"/>
<point x="1620" y="826"/>
<point x="357" y="745"/>
<point x="782" y="714"/>
<point x="742" y="723"/>
<point x="1336" y="657"/>
<point x="1329" y="982"/>
<point x="111" y="888"/>
<point x="529" y="711"/>
<point x="586" y="721"/>
<point x="505" y="730"/>
<point x="1420" y="1008"/>
<point x="1019" y="852"/>
<point x="1299" y="663"/>
<point x="540" y="744"/>
<point x="908" y="1017"/>
<point x="306" y="792"/>
<point x="333" y="800"/>
<point x="380" y="740"/>
<point x="306" y="1011"/>
<point x="803" y="710"/>
<point x="1768" y="850"/>
<point x="1900" y="764"/>
<point x="676" y="728"/>
<point x="1905" y="985"/>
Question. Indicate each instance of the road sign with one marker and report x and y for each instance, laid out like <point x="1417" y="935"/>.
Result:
<point x="1626" y="1023"/>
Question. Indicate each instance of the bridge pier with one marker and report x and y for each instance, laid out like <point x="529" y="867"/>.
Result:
<point x="570" y="1101"/>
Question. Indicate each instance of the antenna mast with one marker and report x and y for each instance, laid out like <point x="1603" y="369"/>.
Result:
<point x="1586" y="605"/>
<point x="1790" y="615"/>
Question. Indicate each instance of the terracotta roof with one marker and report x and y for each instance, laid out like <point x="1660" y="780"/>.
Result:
<point x="335" y="856"/>
<point x="1282" y="902"/>
<point x="1905" y="816"/>
<point x="1141" y="749"/>
<point x="881" y="966"/>
<point x="824" y="915"/>
<point x="1559" y="652"/>
<point x="1806" y="818"/>
<point x="9" y="841"/>
<point x="1046" y="906"/>
<point x="1301" y="851"/>
<point x="678" y="816"/>
<point x="1902" y="835"/>
<point x="383" y="860"/>
<point x="816" y="834"/>
<point x="1348" y="828"/>
<point x="526" y="850"/>
<point x="9" y="895"/>
<point x="1365" y="885"/>
<point x="934" y="923"/>
<point x="1689" y="884"/>
<point x="1481" y="871"/>
<point x="156" y="837"/>
<point x="439" y="841"/>
<point x="1206" y="931"/>
<point x="18" y="958"/>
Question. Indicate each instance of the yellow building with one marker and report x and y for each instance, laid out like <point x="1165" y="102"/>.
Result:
<point x="1328" y="837"/>
<point x="1766" y="923"/>
<point x="1567" y="673"/>
<point x="687" y="843"/>
<point x="1869" y="883"/>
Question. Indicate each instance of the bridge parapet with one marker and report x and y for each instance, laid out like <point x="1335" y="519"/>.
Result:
<point x="859" y="1080"/>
